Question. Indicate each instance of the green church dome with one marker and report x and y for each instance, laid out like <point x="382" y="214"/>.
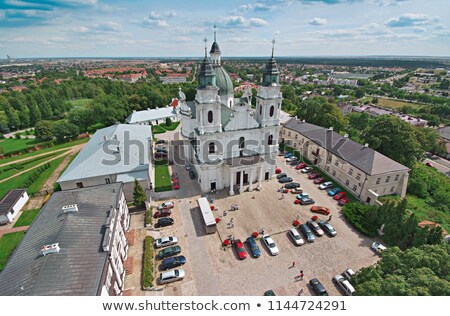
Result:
<point x="223" y="81"/>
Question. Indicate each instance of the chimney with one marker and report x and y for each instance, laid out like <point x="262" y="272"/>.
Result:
<point x="366" y="145"/>
<point x="48" y="249"/>
<point x="70" y="208"/>
<point x="105" y="138"/>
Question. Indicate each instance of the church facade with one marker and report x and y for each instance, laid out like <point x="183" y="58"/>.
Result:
<point x="229" y="144"/>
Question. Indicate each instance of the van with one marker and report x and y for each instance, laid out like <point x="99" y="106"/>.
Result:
<point x="298" y="240"/>
<point x="344" y="285"/>
<point x="307" y="232"/>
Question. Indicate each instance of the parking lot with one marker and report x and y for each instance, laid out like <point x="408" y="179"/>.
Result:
<point x="213" y="270"/>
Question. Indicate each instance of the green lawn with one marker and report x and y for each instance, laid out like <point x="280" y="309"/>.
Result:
<point x="157" y="129"/>
<point x="10" y="170"/>
<point x="162" y="177"/>
<point x="171" y="127"/>
<point x="43" y="151"/>
<point x="394" y="104"/>
<point x="27" y="217"/>
<point x="10" y="145"/>
<point x="8" y="243"/>
<point x="80" y="102"/>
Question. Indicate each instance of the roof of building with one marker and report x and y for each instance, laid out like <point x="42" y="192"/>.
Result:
<point x="284" y="117"/>
<point x="364" y="158"/>
<point x="223" y="81"/>
<point x="150" y="115"/>
<point x="78" y="267"/>
<point x="445" y="132"/>
<point x="244" y="161"/>
<point x="133" y="175"/>
<point x="215" y="48"/>
<point x="432" y="225"/>
<point x="116" y="149"/>
<point x="10" y="199"/>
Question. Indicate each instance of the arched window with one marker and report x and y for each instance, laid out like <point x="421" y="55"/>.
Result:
<point x="210" y="116"/>
<point x="260" y="109"/>
<point x="271" y="111"/>
<point x="241" y="146"/>
<point x="270" y="140"/>
<point x="212" y="148"/>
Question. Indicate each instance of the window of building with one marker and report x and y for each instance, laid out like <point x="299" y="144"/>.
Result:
<point x="260" y="110"/>
<point x="396" y="177"/>
<point x="330" y="158"/>
<point x="108" y="181"/>
<point x="350" y="172"/>
<point x="392" y="189"/>
<point x="334" y="173"/>
<point x="358" y="176"/>
<point x="336" y="163"/>
<point x="296" y="136"/>
<point x="210" y="116"/>
<point x="212" y="148"/>
<point x="347" y="182"/>
<point x="270" y="140"/>
<point x="289" y="133"/>
<point x="354" y="188"/>
<point x="328" y="168"/>
<point x="271" y="111"/>
<point x="378" y="180"/>
<point x="387" y="179"/>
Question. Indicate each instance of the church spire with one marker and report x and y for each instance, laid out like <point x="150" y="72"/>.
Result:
<point x="273" y="46"/>
<point x="271" y="71"/>
<point x="214" y="33"/>
<point x="206" y="76"/>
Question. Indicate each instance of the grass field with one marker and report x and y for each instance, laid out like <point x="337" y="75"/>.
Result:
<point x="157" y="129"/>
<point x="9" y="145"/>
<point x="162" y="177"/>
<point x="10" y="170"/>
<point x="8" y="243"/>
<point x="42" y="151"/>
<point x="80" y="102"/>
<point x="171" y="127"/>
<point x="27" y="217"/>
<point x="395" y="105"/>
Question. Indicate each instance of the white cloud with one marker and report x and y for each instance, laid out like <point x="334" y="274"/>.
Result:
<point x="385" y="3"/>
<point x="238" y="21"/>
<point x="155" y="19"/>
<point x="318" y="21"/>
<point x="411" y="19"/>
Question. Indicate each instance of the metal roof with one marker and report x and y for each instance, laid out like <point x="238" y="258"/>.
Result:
<point x="134" y="175"/>
<point x="113" y="150"/>
<point x="151" y="115"/>
<point x="10" y="199"/>
<point x="78" y="267"/>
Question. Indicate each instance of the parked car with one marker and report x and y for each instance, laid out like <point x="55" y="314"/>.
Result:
<point x="160" y="155"/>
<point x="327" y="228"/>
<point x="378" y="248"/>
<point x="343" y="201"/>
<point x="318" y="287"/>
<point x="319" y="180"/>
<point x="326" y="185"/>
<point x="160" y="141"/>
<point x="292" y="185"/>
<point x="167" y="205"/>
<point x="307" y="201"/>
<point x="192" y="174"/>
<point x="256" y="252"/>
<point x="302" y="195"/>
<point x="313" y="175"/>
<point x="334" y="191"/>
<point x="348" y="274"/>
<point x="294" y="162"/>
<point x="285" y="180"/>
<point x="174" y="176"/>
<point x="162" y="213"/>
<point x="288" y="155"/>
<point x="315" y="228"/>
<point x="164" y="221"/>
<point x="307" y="170"/>
<point x="300" y="165"/>
<point x="172" y="262"/>
<point x="239" y="246"/>
<point x="171" y="276"/>
<point x="168" y="252"/>
<point x="339" y="195"/>
<point x="187" y="166"/>
<point x="343" y="285"/>
<point x="269" y="293"/>
<point x="176" y="184"/>
<point x="297" y="191"/>
<point x="320" y="209"/>
<point x="291" y="159"/>
<point x="161" y="150"/>
<point x="165" y="241"/>
<point x="428" y="164"/>
<point x="307" y="233"/>
<point x="296" y="237"/>
<point x="273" y="249"/>
<point x="281" y="175"/>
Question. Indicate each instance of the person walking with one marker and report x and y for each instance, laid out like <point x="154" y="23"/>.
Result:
<point x="301" y="275"/>
<point x="329" y="218"/>
<point x="293" y="264"/>
<point x="300" y="292"/>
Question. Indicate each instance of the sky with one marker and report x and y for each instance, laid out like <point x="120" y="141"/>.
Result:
<point x="155" y="28"/>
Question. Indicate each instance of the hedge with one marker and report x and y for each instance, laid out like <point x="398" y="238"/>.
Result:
<point x="149" y="217"/>
<point x="148" y="266"/>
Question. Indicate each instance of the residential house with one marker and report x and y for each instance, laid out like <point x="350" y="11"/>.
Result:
<point x="11" y="204"/>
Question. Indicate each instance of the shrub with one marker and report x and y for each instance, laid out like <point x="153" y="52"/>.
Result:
<point x="148" y="264"/>
<point x="149" y="217"/>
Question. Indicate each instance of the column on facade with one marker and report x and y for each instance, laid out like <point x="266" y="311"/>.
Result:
<point x="241" y="183"/>
<point x="231" y="183"/>
<point x="250" y="188"/>
<point x="260" y="176"/>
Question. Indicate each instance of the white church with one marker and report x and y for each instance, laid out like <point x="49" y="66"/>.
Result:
<point x="231" y="145"/>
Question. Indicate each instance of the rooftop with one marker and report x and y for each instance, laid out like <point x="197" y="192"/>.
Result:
<point x="7" y="203"/>
<point x="78" y="267"/>
<point x="150" y="115"/>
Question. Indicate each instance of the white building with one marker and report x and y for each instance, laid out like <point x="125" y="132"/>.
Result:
<point x="83" y="234"/>
<point x="11" y="204"/>
<point x="229" y="144"/>
<point x="154" y="116"/>
<point x="118" y="153"/>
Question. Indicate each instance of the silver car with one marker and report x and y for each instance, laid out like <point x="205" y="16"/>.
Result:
<point x="166" y="241"/>
<point x="271" y="245"/>
<point x="171" y="276"/>
<point x="296" y="237"/>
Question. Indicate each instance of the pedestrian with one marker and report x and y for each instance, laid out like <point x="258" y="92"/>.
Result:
<point x="253" y="197"/>
<point x="293" y="264"/>
<point x="329" y="218"/>
<point x="231" y="220"/>
<point x="282" y="196"/>
<point x="262" y="231"/>
<point x="301" y="275"/>
<point x="297" y="217"/>
<point x="300" y="292"/>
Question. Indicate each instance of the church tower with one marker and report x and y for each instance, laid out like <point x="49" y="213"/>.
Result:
<point x="207" y="99"/>
<point x="269" y="97"/>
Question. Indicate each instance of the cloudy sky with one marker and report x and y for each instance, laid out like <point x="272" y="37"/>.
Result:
<point x="83" y="28"/>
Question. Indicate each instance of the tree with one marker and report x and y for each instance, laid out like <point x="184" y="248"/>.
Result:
<point x="394" y="138"/>
<point x="359" y="93"/>
<point x="64" y="131"/>
<point x="138" y="194"/>
<point x="430" y="140"/>
<point x="35" y="113"/>
<point x="168" y="121"/>
<point x="320" y="112"/>
<point x="43" y="130"/>
<point x="81" y="117"/>
<point x="18" y="102"/>
<point x="10" y="112"/>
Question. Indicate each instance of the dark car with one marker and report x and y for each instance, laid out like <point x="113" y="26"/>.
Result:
<point x="327" y="228"/>
<point x="281" y="175"/>
<point x="160" y="155"/>
<point x="313" y="175"/>
<point x="192" y="174"/>
<point x="307" y="233"/>
<point x="160" y="141"/>
<point x="319" y="180"/>
<point x="269" y="293"/>
<point x="285" y="180"/>
<point x="161" y="150"/>
<point x="164" y="221"/>
<point x="172" y="262"/>
<point x="307" y="201"/>
<point x="292" y="185"/>
<point x="318" y="287"/>
<point x="256" y="252"/>
<point x="168" y="252"/>
<point x="294" y="162"/>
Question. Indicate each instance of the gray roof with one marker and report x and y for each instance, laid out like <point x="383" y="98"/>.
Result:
<point x="223" y="81"/>
<point x="98" y="155"/>
<point x="225" y="114"/>
<point x="134" y="175"/>
<point x="77" y="269"/>
<point x="9" y="200"/>
<point x="364" y="158"/>
<point x="244" y="161"/>
<point x="150" y="115"/>
<point x="445" y="132"/>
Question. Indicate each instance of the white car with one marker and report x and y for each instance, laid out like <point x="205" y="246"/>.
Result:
<point x="166" y="205"/>
<point x="344" y="285"/>
<point x="271" y="245"/>
<point x="171" y="276"/>
<point x="290" y="159"/>
<point x="296" y="237"/>
<point x="378" y="248"/>
<point x="326" y="185"/>
<point x="348" y="274"/>
<point x="166" y="241"/>
<point x="307" y="169"/>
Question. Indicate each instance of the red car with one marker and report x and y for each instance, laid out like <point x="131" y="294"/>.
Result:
<point x="343" y="201"/>
<point x="319" y="180"/>
<point x="320" y="209"/>
<point x="301" y="165"/>
<point x="162" y="213"/>
<point x="176" y="184"/>
<point x="239" y="246"/>
<point x="313" y="175"/>
<point x="339" y="196"/>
